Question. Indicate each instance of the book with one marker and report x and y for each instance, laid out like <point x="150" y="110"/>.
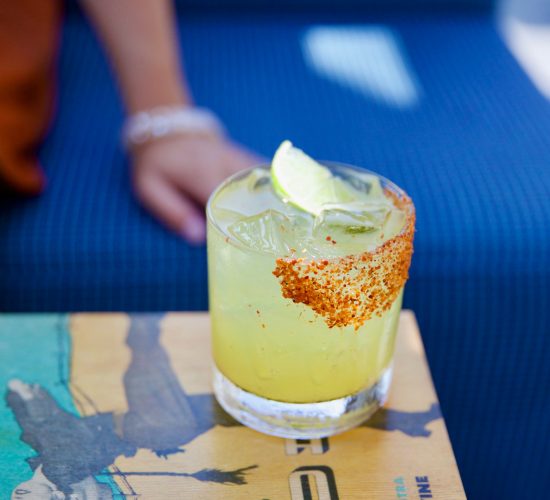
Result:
<point x="121" y="406"/>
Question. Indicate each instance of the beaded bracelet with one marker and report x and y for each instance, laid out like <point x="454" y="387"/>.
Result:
<point x="160" y="122"/>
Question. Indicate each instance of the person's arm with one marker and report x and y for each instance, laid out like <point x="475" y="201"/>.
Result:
<point x="140" y="39"/>
<point x="174" y="174"/>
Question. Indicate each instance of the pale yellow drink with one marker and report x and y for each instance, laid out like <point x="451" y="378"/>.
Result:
<point x="269" y="345"/>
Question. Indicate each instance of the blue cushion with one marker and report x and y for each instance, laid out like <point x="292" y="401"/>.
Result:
<point x="437" y="104"/>
<point x="337" y="4"/>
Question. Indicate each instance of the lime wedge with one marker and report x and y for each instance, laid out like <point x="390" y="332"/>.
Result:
<point x="302" y="181"/>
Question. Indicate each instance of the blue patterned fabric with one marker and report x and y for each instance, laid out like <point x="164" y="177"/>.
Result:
<point x="460" y="128"/>
<point x="315" y="4"/>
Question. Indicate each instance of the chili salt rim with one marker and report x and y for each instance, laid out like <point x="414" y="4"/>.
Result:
<point x="349" y="290"/>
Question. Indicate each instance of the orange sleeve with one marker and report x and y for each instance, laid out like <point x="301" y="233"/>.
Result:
<point x="29" y="33"/>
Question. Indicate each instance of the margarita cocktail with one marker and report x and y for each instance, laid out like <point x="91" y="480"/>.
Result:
<point x="307" y="264"/>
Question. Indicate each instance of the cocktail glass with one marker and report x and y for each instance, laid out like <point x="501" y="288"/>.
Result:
<point x="304" y="314"/>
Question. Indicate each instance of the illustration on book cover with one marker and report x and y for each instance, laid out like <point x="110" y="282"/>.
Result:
<point x="76" y="433"/>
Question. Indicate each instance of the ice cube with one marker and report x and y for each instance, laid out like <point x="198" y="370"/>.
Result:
<point x="270" y="231"/>
<point x="247" y="196"/>
<point x="258" y="178"/>
<point x="224" y="217"/>
<point x="355" y="217"/>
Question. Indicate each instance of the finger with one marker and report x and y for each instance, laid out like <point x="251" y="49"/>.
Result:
<point x="171" y="207"/>
<point x="202" y="183"/>
<point x="247" y="158"/>
<point x="241" y="158"/>
<point x="222" y="165"/>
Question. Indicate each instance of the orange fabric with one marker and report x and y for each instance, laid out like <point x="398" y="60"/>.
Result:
<point x="29" y="31"/>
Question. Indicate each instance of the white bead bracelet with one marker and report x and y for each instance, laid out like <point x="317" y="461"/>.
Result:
<point x="160" y="122"/>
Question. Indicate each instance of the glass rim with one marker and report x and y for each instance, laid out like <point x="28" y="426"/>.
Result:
<point x="332" y="165"/>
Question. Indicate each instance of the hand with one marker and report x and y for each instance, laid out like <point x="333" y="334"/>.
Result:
<point x="175" y="175"/>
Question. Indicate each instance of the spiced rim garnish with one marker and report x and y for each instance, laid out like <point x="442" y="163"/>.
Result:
<point x="349" y="290"/>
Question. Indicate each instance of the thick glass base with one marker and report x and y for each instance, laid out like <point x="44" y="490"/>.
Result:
<point x="300" y="420"/>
